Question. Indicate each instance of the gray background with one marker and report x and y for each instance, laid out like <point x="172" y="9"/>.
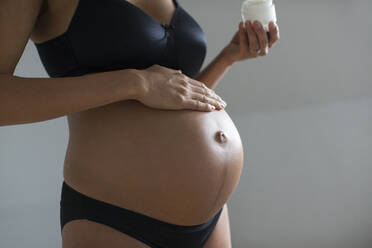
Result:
<point x="305" y="120"/>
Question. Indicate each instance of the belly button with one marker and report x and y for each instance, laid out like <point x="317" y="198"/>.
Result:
<point x="221" y="137"/>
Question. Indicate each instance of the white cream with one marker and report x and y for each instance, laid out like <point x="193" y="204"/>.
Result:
<point x="260" y="10"/>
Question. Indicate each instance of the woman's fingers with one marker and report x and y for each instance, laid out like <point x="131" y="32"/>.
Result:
<point x="243" y="38"/>
<point x="202" y="88"/>
<point x="274" y="33"/>
<point x="262" y="38"/>
<point x="214" y="99"/>
<point x="203" y="93"/>
<point x="252" y="37"/>
<point x="206" y="99"/>
<point x="198" y="105"/>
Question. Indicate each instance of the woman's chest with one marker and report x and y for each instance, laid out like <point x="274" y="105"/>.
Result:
<point x="116" y="34"/>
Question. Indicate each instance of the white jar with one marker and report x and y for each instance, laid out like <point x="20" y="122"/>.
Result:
<point x="260" y="10"/>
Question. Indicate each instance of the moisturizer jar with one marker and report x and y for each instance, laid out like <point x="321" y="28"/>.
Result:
<point x="260" y="10"/>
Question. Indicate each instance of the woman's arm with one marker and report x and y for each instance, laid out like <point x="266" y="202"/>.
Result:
<point x="212" y="74"/>
<point x="249" y="37"/>
<point x="27" y="100"/>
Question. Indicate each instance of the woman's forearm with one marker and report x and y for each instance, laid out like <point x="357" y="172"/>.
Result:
<point x="28" y="100"/>
<point x="213" y="73"/>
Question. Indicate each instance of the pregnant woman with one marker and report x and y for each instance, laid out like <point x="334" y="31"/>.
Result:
<point x="152" y="157"/>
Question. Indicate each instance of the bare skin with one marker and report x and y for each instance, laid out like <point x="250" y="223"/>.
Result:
<point x="176" y="166"/>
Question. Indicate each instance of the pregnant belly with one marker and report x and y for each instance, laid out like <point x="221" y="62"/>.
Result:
<point x="179" y="166"/>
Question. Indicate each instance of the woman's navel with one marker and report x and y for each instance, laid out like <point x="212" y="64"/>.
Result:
<point x="221" y="137"/>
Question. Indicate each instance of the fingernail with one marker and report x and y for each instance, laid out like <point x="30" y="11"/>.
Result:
<point x="213" y="107"/>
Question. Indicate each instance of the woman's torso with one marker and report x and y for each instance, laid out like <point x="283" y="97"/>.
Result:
<point x="170" y="165"/>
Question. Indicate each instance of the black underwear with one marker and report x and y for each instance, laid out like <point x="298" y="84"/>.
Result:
<point x="150" y="231"/>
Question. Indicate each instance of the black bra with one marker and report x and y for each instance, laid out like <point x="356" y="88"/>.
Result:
<point x="106" y="35"/>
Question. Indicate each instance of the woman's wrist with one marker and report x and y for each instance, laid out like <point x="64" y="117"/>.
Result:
<point x="130" y="84"/>
<point x="226" y="56"/>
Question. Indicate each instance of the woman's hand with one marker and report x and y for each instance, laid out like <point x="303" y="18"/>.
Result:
<point x="251" y="41"/>
<point x="166" y="88"/>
